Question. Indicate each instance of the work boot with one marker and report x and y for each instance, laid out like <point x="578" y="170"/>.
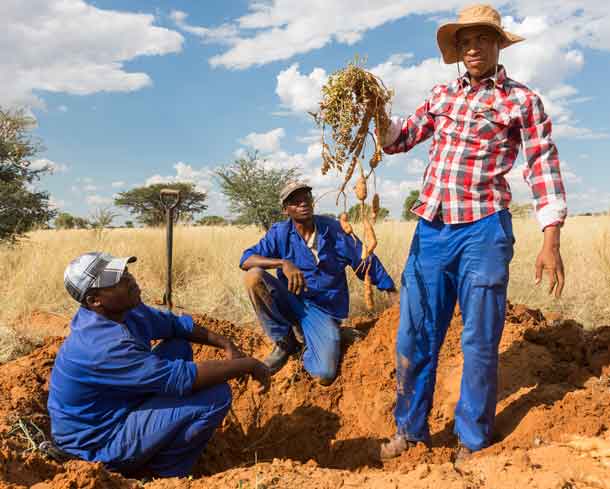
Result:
<point x="393" y="448"/>
<point x="280" y="354"/>
<point x="55" y="453"/>
<point x="463" y="454"/>
<point x="325" y="382"/>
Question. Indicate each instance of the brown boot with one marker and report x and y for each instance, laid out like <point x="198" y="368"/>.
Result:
<point x="463" y="454"/>
<point x="393" y="448"/>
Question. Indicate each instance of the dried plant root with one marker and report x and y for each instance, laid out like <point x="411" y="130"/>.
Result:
<point x="360" y="189"/>
<point x="368" y="288"/>
<point x="375" y="206"/>
<point x="352" y="100"/>
<point x="345" y="224"/>
<point x="370" y="239"/>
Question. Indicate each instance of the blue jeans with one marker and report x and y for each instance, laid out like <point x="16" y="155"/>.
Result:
<point x="166" y="434"/>
<point x="448" y="262"/>
<point x="278" y="310"/>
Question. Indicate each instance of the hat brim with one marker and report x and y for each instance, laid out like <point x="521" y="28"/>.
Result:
<point x="446" y="38"/>
<point x="296" y="189"/>
<point x="112" y="273"/>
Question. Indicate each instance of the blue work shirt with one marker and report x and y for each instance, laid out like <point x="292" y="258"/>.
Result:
<point x="326" y="281"/>
<point x="105" y="369"/>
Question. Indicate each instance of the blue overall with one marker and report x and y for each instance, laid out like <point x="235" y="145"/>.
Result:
<point x="114" y="400"/>
<point x="320" y="308"/>
<point x="283" y="310"/>
<point x="448" y="262"/>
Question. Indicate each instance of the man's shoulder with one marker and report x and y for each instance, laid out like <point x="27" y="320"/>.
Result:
<point x="278" y="229"/>
<point x="519" y="90"/>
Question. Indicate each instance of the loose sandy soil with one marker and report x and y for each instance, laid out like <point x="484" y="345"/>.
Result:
<point x="552" y="425"/>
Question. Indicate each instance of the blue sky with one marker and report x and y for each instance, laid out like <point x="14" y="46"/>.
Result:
<point x="133" y="92"/>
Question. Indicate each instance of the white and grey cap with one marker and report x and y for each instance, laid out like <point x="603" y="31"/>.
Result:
<point x="291" y="188"/>
<point x="94" y="270"/>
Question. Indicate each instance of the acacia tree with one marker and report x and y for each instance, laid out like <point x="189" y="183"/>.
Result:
<point x="21" y="206"/>
<point x="407" y="215"/>
<point x="64" y="220"/>
<point x="145" y="202"/>
<point x="253" y="189"/>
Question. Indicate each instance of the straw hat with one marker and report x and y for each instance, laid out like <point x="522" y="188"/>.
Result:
<point x="474" y="15"/>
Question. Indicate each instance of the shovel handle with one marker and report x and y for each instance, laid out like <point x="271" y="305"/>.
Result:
<point x="170" y="198"/>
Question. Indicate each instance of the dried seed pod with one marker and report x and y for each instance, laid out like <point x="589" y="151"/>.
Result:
<point x="375" y="159"/>
<point x="360" y="189"/>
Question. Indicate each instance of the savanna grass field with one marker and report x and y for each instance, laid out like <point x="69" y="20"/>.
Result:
<point x="207" y="278"/>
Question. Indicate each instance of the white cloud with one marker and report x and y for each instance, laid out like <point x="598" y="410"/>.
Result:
<point x="98" y="200"/>
<point x="90" y="188"/>
<point x="266" y="142"/>
<point x="74" y="47"/>
<point x="184" y="173"/>
<point x="543" y="62"/>
<point x="53" y="167"/>
<point x="62" y="108"/>
<point x="224" y="34"/>
<point x="203" y="180"/>
<point x="412" y="84"/>
<point x="279" y="29"/>
<point x="118" y="184"/>
<point x="300" y="93"/>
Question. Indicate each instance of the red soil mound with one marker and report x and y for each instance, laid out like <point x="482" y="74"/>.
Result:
<point x="554" y="382"/>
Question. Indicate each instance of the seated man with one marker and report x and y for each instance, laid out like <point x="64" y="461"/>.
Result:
<point x="112" y="399"/>
<point x="310" y="254"/>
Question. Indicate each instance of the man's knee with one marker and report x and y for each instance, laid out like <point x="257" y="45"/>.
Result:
<point x="253" y="277"/>
<point x="217" y="400"/>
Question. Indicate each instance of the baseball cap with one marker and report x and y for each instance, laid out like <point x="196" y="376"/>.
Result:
<point x="94" y="270"/>
<point x="291" y="188"/>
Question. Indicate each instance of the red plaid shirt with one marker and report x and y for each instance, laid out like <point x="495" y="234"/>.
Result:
<point x="477" y="132"/>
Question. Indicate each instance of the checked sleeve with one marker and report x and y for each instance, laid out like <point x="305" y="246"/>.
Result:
<point x="542" y="172"/>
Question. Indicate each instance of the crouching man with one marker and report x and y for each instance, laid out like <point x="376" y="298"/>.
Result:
<point x="310" y="254"/>
<point x="115" y="400"/>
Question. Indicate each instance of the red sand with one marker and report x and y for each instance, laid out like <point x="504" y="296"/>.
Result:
<point x="554" y="383"/>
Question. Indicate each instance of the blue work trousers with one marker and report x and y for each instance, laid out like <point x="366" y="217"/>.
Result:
<point x="278" y="311"/>
<point x="166" y="435"/>
<point x="448" y="262"/>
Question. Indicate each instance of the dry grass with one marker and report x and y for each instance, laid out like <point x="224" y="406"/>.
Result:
<point x="207" y="277"/>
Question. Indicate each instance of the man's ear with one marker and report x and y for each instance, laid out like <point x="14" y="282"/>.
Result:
<point x="92" y="300"/>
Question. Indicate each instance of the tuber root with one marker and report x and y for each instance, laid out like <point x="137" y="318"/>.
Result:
<point x="360" y="189"/>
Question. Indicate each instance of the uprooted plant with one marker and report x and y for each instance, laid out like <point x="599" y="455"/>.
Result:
<point x="352" y="100"/>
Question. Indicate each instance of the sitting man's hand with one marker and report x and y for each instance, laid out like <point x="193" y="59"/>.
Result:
<point x="296" y="279"/>
<point x="260" y="373"/>
<point x="233" y="352"/>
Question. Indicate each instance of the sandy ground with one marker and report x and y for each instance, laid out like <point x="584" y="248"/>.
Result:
<point x="552" y="427"/>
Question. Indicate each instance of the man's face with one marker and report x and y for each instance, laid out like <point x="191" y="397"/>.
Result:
<point x="119" y="298"/>
<point x="478" y="48"/>
<point x="299" y="205"/>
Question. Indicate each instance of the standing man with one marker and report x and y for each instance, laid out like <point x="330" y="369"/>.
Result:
<point x="113" y="399"/>
<point x="310" y="254"/>
<point x="463" y="243"/>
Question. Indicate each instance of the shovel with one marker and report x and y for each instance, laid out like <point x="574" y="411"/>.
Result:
<point x="170" y="199"/>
